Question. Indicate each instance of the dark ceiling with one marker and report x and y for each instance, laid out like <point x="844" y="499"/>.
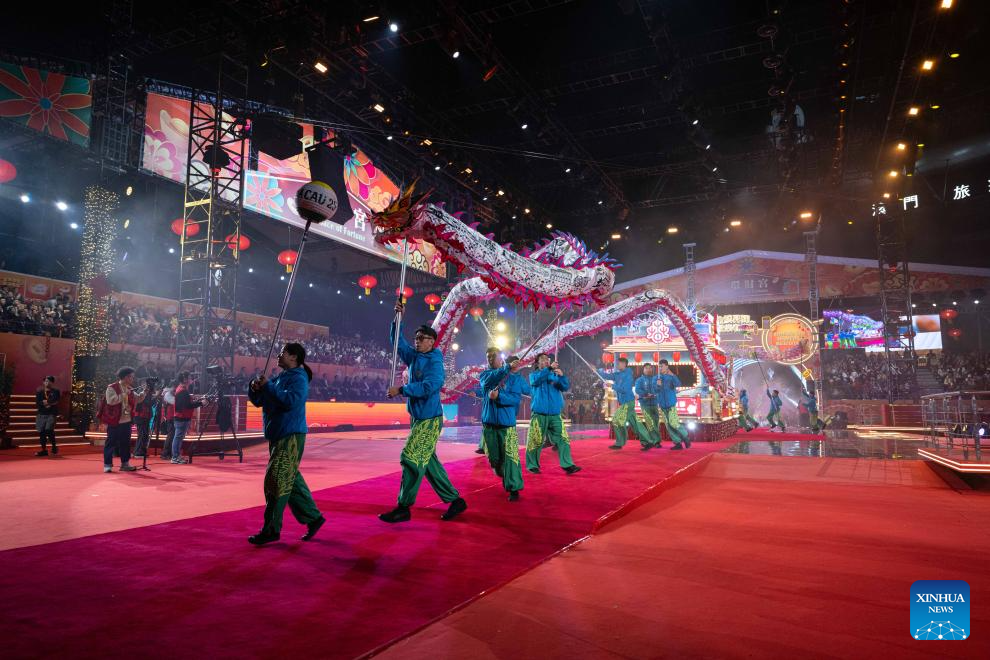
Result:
<point x="659" y="109"/>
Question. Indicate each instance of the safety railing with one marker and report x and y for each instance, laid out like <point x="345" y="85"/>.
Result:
<point x="957" y="421"/>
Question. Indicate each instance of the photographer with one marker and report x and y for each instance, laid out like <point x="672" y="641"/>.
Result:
<point x="185" y="406"/>
<point x="117" y="411"/>
<point x="46" y="405"/>
<point x="142" y="417"/>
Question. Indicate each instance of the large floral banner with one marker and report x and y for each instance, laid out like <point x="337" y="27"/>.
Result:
<point x="52" y="103"/>
<point x="271" y="188"/>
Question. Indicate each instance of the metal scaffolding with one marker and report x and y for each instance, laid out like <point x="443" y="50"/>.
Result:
<point x="690" y="299"/>
<point x="895" y="300"/>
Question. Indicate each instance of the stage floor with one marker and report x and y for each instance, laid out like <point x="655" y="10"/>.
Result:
<point x="642" y="554"/>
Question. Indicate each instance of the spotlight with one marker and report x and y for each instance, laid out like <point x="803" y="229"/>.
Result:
<point x="61" y="206"/>
<point x="691" y="426"/>
<point x="616" y="237"/>
<point x="501" y="310"/>
<point x="321" y="67"/>
<point x="282" y="277"/>
<point x="74" y="225"/>
<point x="954" y="56"/>
<point x="735" y="223"/>
<point x="913" y="111"/>
<point x="456" y="54"/>
<point x="695" y="122"/>
<point x="500" y="326"/>
<point x="892" y="174"/>
<point x="901" y="146"/>
<point x="485" y="198"/>
<point x="360" y="297"/>
<point x="501" y="341"/>
<point x="549" y="225"/>
<point x="715" y="169"/>
<point x="928" y="65"/>
<point x="500" y="192"/>
<point x="849" y="222"/>
<point x="171" y="250"/>
<point x="567" y="170"/>
<point x="370" y="19"/>
<point x="389" y="137"/>
<point x="437" y="168"/>
<point x="378" y="107"/>
<point x="338" y="292"/>
<point x="455" y="346"/>
<point x="25" y="198"/>
<point x="672" y="230"/>
<point x="946" y="4"/>
<point x="127" y="223"/>
<point x="394" y="27"/>
<point x="513" y="217"/>
<point x="524" y="126"/>
<point x="886" y="195"/>
<point x="526" y="211"/>
<point x="806" y="214"/>
<point x="600" y="202"/>
<point x="129" y="191"/>
<point x="310" y="285"/>
<point x="250" y="270"/>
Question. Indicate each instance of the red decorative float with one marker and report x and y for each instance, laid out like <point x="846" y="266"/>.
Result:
<point x="288" y="259"/>
<point x="191" y="230"/>
<point x="432" y="300"/>
<point x="367" y="282"/>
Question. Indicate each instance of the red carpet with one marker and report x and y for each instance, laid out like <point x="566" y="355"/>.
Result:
<point x="195" y="587"/>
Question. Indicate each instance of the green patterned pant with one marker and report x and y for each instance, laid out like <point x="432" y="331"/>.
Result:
<point x="552" y="427"/>
<point x="284" y="485"/>
<point x="419" y="459"/>
<point x="775" y="419"/>
<point x="502" y="449"/>
<point x="746" y="421"/>
<point x="651" y="422"/>
<point x="677" y="432"/>
<point x="625" y="415"/>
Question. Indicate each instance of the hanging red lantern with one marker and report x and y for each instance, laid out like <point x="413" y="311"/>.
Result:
<point x="406" y="294"/>
<point x="367" y="282"/>
<point x="476" y="312"/>
<point x="638" y="356"/>
<point x="656" y="357"/>
<point x="242" y="244"/>
<point x="623" y="356"/>
<point x="432" y="300"/>
<point x="955" y="333"/>
<point x="191" y="230"/>
<point x="949" y="314"/>
<point x="288" y="259"/>
<point x="7" y="171"/>
<point x="607" y="358"/>
<point x="676" y="355"/>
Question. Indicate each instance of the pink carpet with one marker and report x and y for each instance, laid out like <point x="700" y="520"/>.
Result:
<point x="195" y="587"/>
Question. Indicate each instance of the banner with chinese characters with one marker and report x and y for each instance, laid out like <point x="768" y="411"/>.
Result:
<point x="51" y="103"/>
<point x="758" y="276"/>
<point x="37" y="288"/>
<point x="270" y="186"/>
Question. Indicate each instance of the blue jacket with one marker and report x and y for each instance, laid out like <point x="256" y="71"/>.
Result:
<point x="511" y="387"/>
<point x="775" y="403"/>
<point x="622" y="384"/>
<point x="548" y="391"/>
<point x="668" y="390"/>
<point x="283" y="403"/>
<point x="744" y="401"/>
<point x="426" y="378"/>
<point x="646" y="390"/>
<point x="810" y="402"/>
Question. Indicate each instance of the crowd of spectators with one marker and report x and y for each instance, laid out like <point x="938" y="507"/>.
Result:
<point x="52" y="317"/>
<point x="140" y="325"/>
<point x="858" y="375"/>
<point x="961" y="371"/>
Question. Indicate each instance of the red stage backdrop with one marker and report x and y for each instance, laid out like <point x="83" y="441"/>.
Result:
<point x="36" y="357"/>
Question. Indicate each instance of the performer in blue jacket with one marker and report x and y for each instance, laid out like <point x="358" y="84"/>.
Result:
<point x="746" y="421"/>
<point x="419" y="456"/>
<point x="549" y="384"/>
<point x="668" y="382"/>
<point x="283" y="410"/>
<point x="625" y="414"/>
<point x="502" y="388"/>
<point x="775" y="407"/>
<point x="646" y="390"/>
<point x="811" y="403"/>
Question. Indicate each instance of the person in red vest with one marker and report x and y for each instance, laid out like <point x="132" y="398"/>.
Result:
<point x="168" y="396"/>
<point x="185" y="408"/>
<point x="118" y="412"/>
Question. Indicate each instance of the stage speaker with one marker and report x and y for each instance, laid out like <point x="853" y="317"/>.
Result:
<point x="326" y="164"/>
<point x="86" y="367"/>
<point x="277" y="137"/>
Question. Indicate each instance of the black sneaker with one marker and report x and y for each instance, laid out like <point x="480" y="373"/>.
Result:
<point x="262" y="538"/>
<point x="43" y="452"/>
<point x="572" y="469"/>
<point x="676" y="447"/>
<point x="534" y="470"/>
<point x="313" y="527"/>
<point x="396" y="515"/>
<point x="479" y="450"/>
<point x="54" y="450"/>
<point x="615" y="446"/>
<point x="456" y="508"/>
<point x="513" y="495"/>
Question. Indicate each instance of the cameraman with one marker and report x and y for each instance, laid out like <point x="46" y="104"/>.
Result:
<point x="185" y="406"/>
<point x="142" y="417"/>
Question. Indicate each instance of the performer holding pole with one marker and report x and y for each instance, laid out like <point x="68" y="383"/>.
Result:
<point x="646" y="390"/>
<point x="502" y="388"/>
<point x="622" y="381"/>
<point x="419" y="457"/>
<point x="775" y="407"/>
<point x="398" y="311"/>
<point x="549" y="384"/>
<point x="667" y="398"/>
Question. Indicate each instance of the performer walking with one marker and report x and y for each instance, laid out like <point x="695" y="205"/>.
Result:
<point x="283" y="409"/>
<point x="668" y="383"/>
<point x="746" y="421"/>
<point x="646" y="390"/>
<point x="811" y="403"/>
<point x="46" y="406"/>
<point x="502" y="388"/>
<point x="549" y="384"/>
<point x="419" y="456"/>
<point x="775" y="406"/>
<point x="625" y="415"/>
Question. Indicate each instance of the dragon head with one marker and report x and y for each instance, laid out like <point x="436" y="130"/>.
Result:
<point x="398" y="218"/>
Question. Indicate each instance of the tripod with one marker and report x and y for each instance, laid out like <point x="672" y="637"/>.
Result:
<point x="219" y="406"/>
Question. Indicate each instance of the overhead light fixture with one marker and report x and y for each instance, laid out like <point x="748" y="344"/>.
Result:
<point x="25" y="198"/>
<point x="437" y="168"/>
<point x="129" y="191"/>
<point x="61" y="206"/>
<point x="928" y="65"/>
<point x="388" y="137"/>
<point x="524" y="126"/>
<point x="378" y="107"/>
<point x="715" y="168"/>
<point x="549" y="225"/>
<point x="849" y="222"/>
<point x="456" y="54"/>
<point x="74" y="225"/>
<point x="282" y="277"/>
<point x="901" y="146"/>
<point x="954" y="56"/>
<point x="321" y="67"/>
<point x="707" y="147"/>
<point x="735" y="223"/>
<point x="127" y="223"/>
<point x="427" y="141"/>
<point x="526" y="211"/>
<point x="806" y="214"/>
<point x="394" y="27"/>
<point x="171" y="250"/>
<point x="310" y="285"/>
<point x="672" y="230"/>
<point x="913" y="111"/>
<point x="513" y="217"/>
<point x="500" y="192"/>
<point x="920" y="145"/>
<point x="600" y="202"/>
<point x="886" y="195"/>
<point x="250" y="270"/>
<point x="616" y="237"/>
<point x="892" y="174"/>
<point x="946" y="4"/>
<point x="371" y="19"/>
<point x="935" y="106"/>
<point x="695" y="122"/>
<point x="485" y="198"/>
<point x="567" y="170"/>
